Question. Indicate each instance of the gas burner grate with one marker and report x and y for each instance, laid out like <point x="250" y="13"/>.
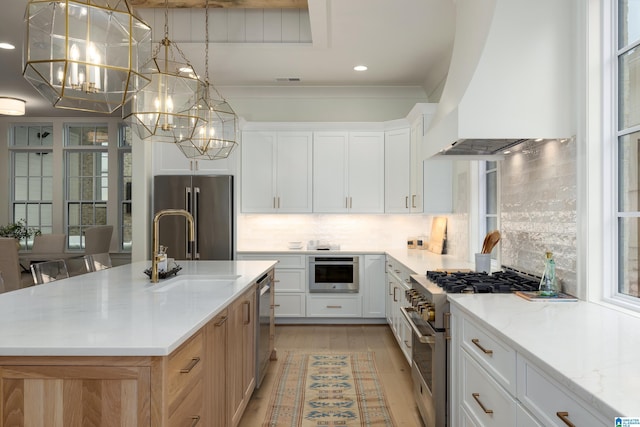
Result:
<point x="474" y="282"/>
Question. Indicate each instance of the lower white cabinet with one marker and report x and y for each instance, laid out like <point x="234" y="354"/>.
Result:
<point x="397" y="282"/>
<point x="342" y="305"/>
<point x="288" y="304"/>
<point x="494" y="385"/>
<point x="372" y="286"/>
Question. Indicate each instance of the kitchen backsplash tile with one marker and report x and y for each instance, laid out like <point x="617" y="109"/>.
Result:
<point x="538" y="209"/>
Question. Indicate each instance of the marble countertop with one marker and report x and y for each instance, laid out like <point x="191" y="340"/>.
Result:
<point x="419" y="261"/>
<point x="591" y="349"/>
<point x="118" y="312"/>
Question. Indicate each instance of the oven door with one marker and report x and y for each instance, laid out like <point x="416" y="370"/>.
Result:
<point x="428" y="369"/>
<point x="333" y="274"/>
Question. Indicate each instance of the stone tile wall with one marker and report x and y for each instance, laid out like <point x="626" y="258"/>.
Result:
<point x="538" y="208"/>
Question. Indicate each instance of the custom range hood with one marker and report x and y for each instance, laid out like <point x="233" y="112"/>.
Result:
<point x="510" y="78"/>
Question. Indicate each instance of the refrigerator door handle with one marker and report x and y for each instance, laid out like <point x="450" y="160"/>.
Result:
<point x="187" y="207"/>
<point x="196" y="210"/>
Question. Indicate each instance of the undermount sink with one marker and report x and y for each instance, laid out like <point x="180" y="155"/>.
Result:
<point x="196" y="283"/>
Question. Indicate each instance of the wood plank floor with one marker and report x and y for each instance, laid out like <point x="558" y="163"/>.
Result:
<point x="393" y="368"/>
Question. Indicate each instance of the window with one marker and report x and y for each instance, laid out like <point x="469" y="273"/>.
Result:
<point x="491" y="199"/>
<point x="125" y="168"/>
<point x="86" y="177"/>
<point x="32" y="176"/>
<point x="628" y="149"/>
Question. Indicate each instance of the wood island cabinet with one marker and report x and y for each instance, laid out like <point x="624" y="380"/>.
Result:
<point x="207" y="382"/>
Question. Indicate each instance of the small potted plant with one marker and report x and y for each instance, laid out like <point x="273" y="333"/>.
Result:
<point x="19" y="231"/>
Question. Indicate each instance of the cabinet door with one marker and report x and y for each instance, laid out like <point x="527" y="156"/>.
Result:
<point x="71" y="396"/>
<point x="216" y="381"/>
<point x="258" y="171"/>
<point x="416" y="185"/>
<point x="240" y="355"/>
<point x="366" y="172"/>
<point x="438" y="186"/>
<point x="329" y="172"/>
<point x="397" y="157"/>
<point x="373" y="288"/>
<point x="293" y="177"/>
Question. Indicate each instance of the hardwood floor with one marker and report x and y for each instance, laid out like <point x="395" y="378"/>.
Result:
<point x="393" y="369"/>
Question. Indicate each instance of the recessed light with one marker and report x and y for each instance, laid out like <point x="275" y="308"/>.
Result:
<point x="7" y="46"/>
<point x="506" y="152"/>
<point x="360" y="68"/>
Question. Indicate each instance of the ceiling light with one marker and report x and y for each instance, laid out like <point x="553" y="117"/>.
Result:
<point x="360" y="68"/>
<point x="12" y="106"/>
<point x="215" y="137"/>
<point x="163" y="110"/>
<point x="7" y="46"/>
<point x="75" y="57"/>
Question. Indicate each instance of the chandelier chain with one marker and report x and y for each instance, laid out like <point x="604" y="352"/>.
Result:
<point x="206" y="47"/>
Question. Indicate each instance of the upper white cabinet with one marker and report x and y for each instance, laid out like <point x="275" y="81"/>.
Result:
<point x="403" y="172"/>
<point x="276" y="172"/>
<point x="348" y="172"/>
<point x="438" y="186"/>
<point x="169" y="160"/>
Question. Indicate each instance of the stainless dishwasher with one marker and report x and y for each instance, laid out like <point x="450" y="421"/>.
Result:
<point x="264" y="314"/>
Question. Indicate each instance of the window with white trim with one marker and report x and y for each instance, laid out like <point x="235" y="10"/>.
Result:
<point x="627" y="77"/>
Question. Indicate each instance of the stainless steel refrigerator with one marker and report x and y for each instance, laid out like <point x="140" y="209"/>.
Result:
<point x="210" y="200"/>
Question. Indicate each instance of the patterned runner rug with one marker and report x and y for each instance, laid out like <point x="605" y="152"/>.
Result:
<point x="328" y="390"/>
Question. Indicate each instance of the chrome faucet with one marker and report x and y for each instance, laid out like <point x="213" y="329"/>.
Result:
<point x="155" y="257"/>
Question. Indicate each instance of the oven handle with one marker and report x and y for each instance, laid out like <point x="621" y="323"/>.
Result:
<point x="424" y="339"/>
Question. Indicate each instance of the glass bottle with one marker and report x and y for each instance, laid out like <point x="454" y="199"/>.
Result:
<point x="549" y="281"/>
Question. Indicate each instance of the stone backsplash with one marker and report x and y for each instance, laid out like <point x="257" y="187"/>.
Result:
<point x="538" y="208"/>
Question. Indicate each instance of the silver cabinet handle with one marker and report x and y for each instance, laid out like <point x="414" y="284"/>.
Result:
<point x="195" y="420"/>
<point x="221" y="321"/>
<point x="564" y="416"/>
<point x="406" y="202"/>
<point x="190" y="366"/>
<point x="334" y="306"/>
<point x="476" y="396"/>
<point x="413" y="201"/>
<point x="476" y="341"/>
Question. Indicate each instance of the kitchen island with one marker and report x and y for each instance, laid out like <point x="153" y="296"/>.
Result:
<point x="110" y="348"/>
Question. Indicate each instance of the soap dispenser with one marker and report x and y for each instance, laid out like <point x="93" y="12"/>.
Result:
<point x="549" y="281"/>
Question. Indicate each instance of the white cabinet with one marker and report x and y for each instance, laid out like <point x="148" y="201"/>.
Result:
<point x="169" y="160"/>
<point x="398" y="281"/>
<point x="334" y="305"/>
<point x="494" y="385"/>
<point x="348" y="172"/>
<point x="290" y="282"/>
<point x="397" y="173"/>
<point x="276" y="172"/>
<point x="373" y="287"/>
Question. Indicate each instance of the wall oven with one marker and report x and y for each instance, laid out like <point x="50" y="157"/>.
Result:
<point x="334" y="274"/>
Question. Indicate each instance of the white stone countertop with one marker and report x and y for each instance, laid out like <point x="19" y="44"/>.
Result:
<point x="591" y="349"/>
<point x="415" y="259"/>
<point x="118" y="312"/>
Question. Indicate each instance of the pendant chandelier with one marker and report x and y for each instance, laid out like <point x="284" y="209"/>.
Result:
<point x="86" y="54"/>
<point x="163" y="111"/>
<point x="215" y="137"/>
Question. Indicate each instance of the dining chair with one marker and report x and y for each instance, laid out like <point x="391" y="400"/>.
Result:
<point x="49" y="243"/>
<point x="97" y="240"/>
<point x="49" y="271"/>
<point x="96" y="262"/>
<point x="10" y="264"/>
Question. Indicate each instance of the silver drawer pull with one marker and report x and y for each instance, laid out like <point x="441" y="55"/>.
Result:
<point x="195" y="420"/>
<point x="476" y="341"/>
<point x="564" y="416"/>
<point x="275" y="305"/>
<point x="192" y="364"/>
<point x="406" y="343"/>
<point x="221" y="321"/>
<point x="334" y="306"/>
<point x="476" y="396"/>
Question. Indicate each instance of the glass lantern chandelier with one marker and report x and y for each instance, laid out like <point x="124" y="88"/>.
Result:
<point x="163" y="111"/>
<point x="86" y="54"/>
<point x="215" y="137"/>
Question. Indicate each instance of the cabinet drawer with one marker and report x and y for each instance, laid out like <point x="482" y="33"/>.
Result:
<point x="290" y="280"/>
<point x="190" y="412"/>
<point x="494" y="355"/>
<point x="339" y="306"/>
<point x="546" y="399"/>
<point x="289" y="305"/>
<point x="483" y="398"/>
<point x="184" y="367"/>
<point x="284" y="261"/>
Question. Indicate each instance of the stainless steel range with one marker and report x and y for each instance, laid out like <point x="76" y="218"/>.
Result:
<point x="427" y="311"/>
